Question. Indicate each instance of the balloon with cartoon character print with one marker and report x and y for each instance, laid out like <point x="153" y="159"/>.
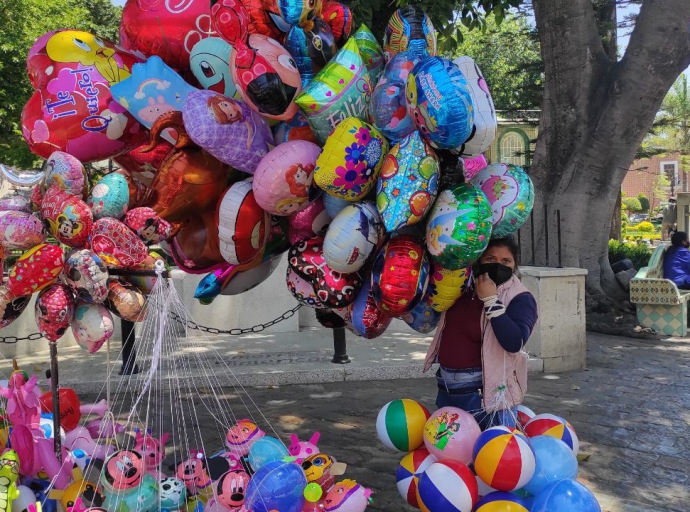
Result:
<point x="352" y="237"/>
<point x="210" y="64"/>
<point x="54" y="309"/>
<point x="67" y="172"/>
<point x="311" y="48"/>
<point x="146" y="223"/>
<point x="66" y="217"/>
<point x="86" y="273"/>
<point x="123" y="470"/>
<point x="92" y="326"/>
<point x="339" y="17"/>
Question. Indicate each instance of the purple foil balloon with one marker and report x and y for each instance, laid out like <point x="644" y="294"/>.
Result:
<point x="227" y="128"/>
<point x="308" y="223"/>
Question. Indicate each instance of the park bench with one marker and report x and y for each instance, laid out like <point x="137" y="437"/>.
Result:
<point x="660" y="304"/>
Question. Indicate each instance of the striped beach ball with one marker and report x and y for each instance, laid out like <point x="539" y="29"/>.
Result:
<point x="524" y="414"/>
<point x="503" y="458"/>
<point x="501" y="502"/>
<point x="447" y="486"/>
<point x="400" y="424"/>
<point x="554" y="426"/>
<point x="409" y="471"/>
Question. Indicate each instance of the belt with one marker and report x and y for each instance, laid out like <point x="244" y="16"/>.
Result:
<point x="461" y="391"/>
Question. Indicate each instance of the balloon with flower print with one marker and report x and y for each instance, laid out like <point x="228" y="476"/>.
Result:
<point x="446" y="286"/>
<point x="510" y="191"/>
<point x="350" y="162"/>
<point x="459" y="226"/>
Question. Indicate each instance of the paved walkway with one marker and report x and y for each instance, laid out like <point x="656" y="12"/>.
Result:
<point x="631" y="407"/>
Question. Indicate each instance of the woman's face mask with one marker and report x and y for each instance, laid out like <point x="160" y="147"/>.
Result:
<point x="498" y="272"/>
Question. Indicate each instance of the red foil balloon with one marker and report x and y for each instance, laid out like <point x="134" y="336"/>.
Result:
<point x="54" y="310"/>
<point x="167" y="29"/>
<point x="70" y="414"/>
<point x="339" y="16"/>
<point x="148" y="225"/>
<point x="364" y="318"/>
<point x="67" y="217"/>
<point x="308" y="223"/>
<point x="144" y="166"/>
<point x="116" y="243"/>
<point x="400" y="275"/>
<point x="36" y="269"/>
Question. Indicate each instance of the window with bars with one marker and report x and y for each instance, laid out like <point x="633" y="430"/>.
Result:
<point x="513" y="149"/>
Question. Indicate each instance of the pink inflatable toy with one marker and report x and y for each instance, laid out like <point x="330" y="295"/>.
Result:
<point x="36" y="453"/>
<point x="23" y="407"/>
<point x="241" y="436"/>
<point x="303" y="449"/>
<point x="152" y="450"/>
<point x="80" y="439"/>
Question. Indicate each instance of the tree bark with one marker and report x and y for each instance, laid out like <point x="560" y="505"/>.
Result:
<point x="595" y="112"/>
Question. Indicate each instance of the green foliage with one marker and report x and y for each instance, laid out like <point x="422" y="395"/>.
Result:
<point x="632" y="204"/>
<point x="645" y="227"/>
<point x="638" y="253"/>
<point x="22" y="22"/>
<point x="644" y="202"/>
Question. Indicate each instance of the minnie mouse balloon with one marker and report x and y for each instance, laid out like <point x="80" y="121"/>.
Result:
<point x="301" y="289"/>
<point x="459" y="226"/>
<point x="409" y="29"/>
<point x="350" y="162"/>
<point x="148" y="225"/>
<point x="118" y="244"/>
<point x="440" y="102"/>
<point x="446" y="286"/>
<point x="54" y="309"/>
<point x="110" y="197"/>
<point x="408" y="183"/>
<point x="73" y="109"/>
<point x="283" y="178"/>
<point x="211" y="120"/>
<point x="20" y="230"/>
<point x="11" y="306"/>
<point x="67" y="217"/>
<point x="341" y="90"/>
<point x="400" y="275"/>
<point x="166" y="29"/>
<point x="36" y="269"/>
<point x="243" y="227"/>
<point x="364" y="318"/>
<point x="310" y="222"/>
<point x="352" y="236"/>
<point x="339" y="17"/>
<point x="87" y="275"/>
<point x="210" y="64"/>
<point x="67" y="172"/>
<point x="92" y="326"/>
<point x="485" y="123"/>
<point x="510" y="192"/>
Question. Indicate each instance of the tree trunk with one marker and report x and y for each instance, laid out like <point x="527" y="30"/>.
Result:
<point x="595" y="112"/>
<point x="616" y="228"/>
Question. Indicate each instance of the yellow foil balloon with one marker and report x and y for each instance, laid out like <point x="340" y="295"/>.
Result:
<point x="446" y="286"/>
<point x="351" y="160"/>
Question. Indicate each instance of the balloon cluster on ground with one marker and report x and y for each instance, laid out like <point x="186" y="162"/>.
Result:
<point x="451" y="465"/>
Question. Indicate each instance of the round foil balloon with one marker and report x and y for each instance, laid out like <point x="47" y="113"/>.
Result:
<point x="342" y="89"/>
<point x="283" y="177"/>
<point x="66" y="217"/>
<point x="349" y="165"/>
<point x="422" y="318"/>
<point x="87" y="275"/>
<point x="371" y="52"/>
<point x="301" y="289"/>
<point x="148" y="225"/>
<point x="243" y="227"/>
<point x="306" y="257"/>
<point x="334" y="205"/>
<point x="485" y="123"/>
<point x="364" y="318"/>
<point x="408" y="183"/>
<point x="36" y="269"/>
<point x="400" y="275"/>
<point x="210" y="64"/>
<point x="16" y="204"/>
<point x="311" y="48"/>
<point x="166" y="29"/>
<point x="352" y="236"/>
<point x="67" y="172"/>
<point x="339" y="16"/>
<point x="20" y="230"/>
<point x="92" y="326"/>
<point x="211" y="120"/>
<point x="310" y="222"/>
<point x="336" y="290"/>
<point x="11" y="306"/>
<point x="72" y="109"/>
<point x="110" y="197"/>
<point x="409" y="29"/>
<point x="54" y="309"/>
<point x="446" y="286"/>
<point x="459" y="226"/>
<point x="510" y="191"/>
<point x="120" y="245"/>
<point x="440" y="102"/>
<point x="125" y="301"/>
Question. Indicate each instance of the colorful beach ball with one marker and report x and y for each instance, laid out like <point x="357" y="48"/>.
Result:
<point x="410" y="469"/>
<point x="524" y="414"/>
<point x="400" y="424"/>
<point x="501" y="502"/>
<point x="447" y="486"/>
<point x="554" y="426"/>
<point x="503" y="458"/>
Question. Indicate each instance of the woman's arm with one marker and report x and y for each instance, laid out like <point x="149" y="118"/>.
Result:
<point x="513" y="328"/>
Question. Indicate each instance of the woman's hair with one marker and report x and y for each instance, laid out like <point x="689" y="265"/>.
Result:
<point x="678" y="238"/>
<point x="509" y="243"/>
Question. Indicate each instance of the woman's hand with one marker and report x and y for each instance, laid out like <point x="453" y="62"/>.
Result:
<point x="485" y="287"/>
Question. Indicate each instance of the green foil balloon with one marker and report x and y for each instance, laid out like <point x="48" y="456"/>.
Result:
<point x="459" y="226"/>
<point x="371" y="52"/>
<point x="511" y="193"/>
<point x="340" y="90"/>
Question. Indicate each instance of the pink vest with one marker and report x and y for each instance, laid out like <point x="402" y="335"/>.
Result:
<point x="504" y="374"/>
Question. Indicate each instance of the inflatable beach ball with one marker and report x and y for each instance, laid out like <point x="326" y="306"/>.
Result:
<point x="553" y="426"/>
<point x="450" y="433"/>
<point x="400" y="424"/>
<point x="524" y="414"/>
<point x="410" y="469"/>
<point x="503" y="458"/>
<point x="447" y="486"/>
<point x="566" y="495"/>
<point x="501" y="502"/>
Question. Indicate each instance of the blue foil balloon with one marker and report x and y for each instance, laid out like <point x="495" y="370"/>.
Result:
<point x="439" y="101"/>
<point x="565" y="496"/>
<point x="423" y="318"/>
<point x="110" y="197"/>
<point x="311" y="49"/>
<point x="276" y="486"/>
<point x="265" y="450"/>
<point x="555" y="460"/>
<point x="409" y="29"/>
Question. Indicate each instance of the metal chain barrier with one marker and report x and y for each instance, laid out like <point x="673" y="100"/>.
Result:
<point x="190" y="325"/>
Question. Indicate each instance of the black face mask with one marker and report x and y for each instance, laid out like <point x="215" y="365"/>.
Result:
<point x="498" y="273"/>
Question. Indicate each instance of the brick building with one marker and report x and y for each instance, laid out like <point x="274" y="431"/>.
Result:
<point x="644" y="174"/>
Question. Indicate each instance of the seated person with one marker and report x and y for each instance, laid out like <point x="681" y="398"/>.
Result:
<point x="677" y="260"/>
